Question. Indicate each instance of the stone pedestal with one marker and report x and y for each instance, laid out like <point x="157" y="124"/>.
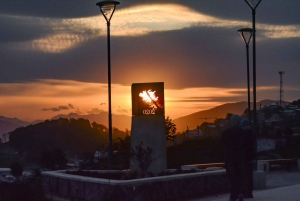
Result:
<point x="151" y="131"/>
<point x="259" y="180"/>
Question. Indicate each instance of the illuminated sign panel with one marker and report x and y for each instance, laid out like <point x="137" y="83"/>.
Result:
<point x="148" y="98"/>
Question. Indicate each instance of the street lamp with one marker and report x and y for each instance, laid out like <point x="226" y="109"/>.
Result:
<point x="253" y="5"/>
<point x="246" y="34"/>
<point x="107" y="9"/>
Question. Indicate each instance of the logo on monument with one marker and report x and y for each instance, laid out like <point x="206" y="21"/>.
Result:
<point x="148" y="99"/>
<point x="153" y="101"/>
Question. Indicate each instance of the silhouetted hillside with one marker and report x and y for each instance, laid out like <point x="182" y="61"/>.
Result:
<point x="121" y="122"/>
<point x="74" y="136"/>
<point x="195" y="119"/>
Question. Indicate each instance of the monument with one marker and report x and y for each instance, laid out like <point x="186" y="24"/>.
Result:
<point x="148" y="129"/>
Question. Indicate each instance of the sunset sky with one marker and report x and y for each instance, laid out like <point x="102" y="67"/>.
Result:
<point x="53" y="54"/>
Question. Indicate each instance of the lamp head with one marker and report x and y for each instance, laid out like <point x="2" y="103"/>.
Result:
<point x="107" y="8"/>
<point x="246" y="34"/>
<point x="253" y="3"/>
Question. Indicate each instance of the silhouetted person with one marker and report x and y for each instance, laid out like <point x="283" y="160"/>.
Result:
<point x="234" y="142"/>
<point x="250" y="157"/>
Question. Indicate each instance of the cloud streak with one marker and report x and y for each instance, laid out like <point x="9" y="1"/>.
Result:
<point x="59" y="108"/>
<point x="95" y="111"/>
<point x="122" y="111"/>
<point x="66" y="34"/>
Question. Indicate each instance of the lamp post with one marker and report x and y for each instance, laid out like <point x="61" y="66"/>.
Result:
<point x="253" y="5"/>
<point x="107" y="9"/>
<point x="246" y="34"/>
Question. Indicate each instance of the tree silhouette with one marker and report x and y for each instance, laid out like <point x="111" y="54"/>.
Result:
<point x="296" y="102"/>
<point x="170" y="129"/>
<point x="122" y="146"/>
<point x="142" y="157"/>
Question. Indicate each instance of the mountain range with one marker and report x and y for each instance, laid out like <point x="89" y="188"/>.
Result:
<point x="193" y="120"/>
<point x="123" y="122"/>
<point x="10" y="124"/>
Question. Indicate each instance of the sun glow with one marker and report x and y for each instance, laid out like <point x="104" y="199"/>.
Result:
<point x="42" y="99"/>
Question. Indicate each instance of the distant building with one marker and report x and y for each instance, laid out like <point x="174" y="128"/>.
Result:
<point x="196" y="133"/>
<point x="292" y="107"/>
<point x="276" y="120"/>
<point x="99" y="155"/>
<point x="274" y="117"/>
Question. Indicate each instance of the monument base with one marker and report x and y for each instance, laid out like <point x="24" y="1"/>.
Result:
<point x="151" y="132"/>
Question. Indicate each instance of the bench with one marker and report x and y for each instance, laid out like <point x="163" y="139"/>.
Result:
<point x="288" y="164"/>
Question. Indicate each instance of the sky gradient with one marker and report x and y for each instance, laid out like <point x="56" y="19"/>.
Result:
<point x="53" y="54"/>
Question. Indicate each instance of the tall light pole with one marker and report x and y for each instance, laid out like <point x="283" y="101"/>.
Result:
<point x="281" y="88"/>
<point x="253" y="5"/>
<point x="246" y="34"/>
<point x="107" y="9"/>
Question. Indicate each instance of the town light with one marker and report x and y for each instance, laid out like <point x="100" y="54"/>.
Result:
<point x="253" y="5"/>
<point x="246" y="34"/>
<point x="107" y="9"/>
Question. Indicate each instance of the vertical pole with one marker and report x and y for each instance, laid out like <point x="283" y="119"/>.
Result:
<point x="110" y="148"/>
<point x="281" y="88"/>
<point x="280" y="91"/>
<point x="248" y="82"/>
<point x="254" y="79"/>
<point x="254" y="72"/>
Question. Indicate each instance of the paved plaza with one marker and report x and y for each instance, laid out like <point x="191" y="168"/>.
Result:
<point x="281" y="186"/>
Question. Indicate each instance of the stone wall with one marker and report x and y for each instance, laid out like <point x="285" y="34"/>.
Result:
<point x="60" y="186"/>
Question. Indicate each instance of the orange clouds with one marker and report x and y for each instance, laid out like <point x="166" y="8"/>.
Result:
<point x="42" y="99"/>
